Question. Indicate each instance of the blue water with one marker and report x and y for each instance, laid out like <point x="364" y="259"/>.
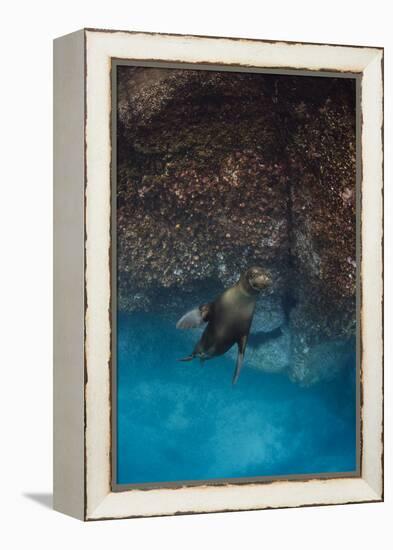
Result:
<point x="180" y="421"/>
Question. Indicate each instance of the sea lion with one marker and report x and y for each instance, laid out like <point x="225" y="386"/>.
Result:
<point x="228" y="318"/>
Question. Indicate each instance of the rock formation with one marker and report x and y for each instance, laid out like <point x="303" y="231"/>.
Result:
<point x="221" y="170"/>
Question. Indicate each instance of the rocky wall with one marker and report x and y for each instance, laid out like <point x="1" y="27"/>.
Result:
<point x="218" y="171"/>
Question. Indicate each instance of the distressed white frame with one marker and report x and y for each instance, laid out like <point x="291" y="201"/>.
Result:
<point x="100" y="48"/>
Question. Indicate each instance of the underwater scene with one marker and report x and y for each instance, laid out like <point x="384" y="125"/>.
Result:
<point x="183" y="421"/>
<point x="235" y="343"/>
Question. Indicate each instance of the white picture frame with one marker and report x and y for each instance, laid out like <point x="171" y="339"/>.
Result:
<point x="82" y="257"/>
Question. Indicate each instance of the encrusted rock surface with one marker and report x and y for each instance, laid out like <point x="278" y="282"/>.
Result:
<point x="201" y="194"/>
<point x="322" y="156"/>
<point x="218" y="171"/>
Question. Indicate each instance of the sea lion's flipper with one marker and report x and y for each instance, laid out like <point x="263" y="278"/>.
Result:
<point x="194" y="318"/>
<point x="239" y="364"/>
<point x="240" y="357"/>
<point x="188" y="358"/>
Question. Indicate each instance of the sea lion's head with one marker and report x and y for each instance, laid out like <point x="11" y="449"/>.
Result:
<point x="255" y="279"/>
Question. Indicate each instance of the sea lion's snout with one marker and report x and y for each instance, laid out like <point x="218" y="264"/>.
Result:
<point x="258" y="278"/>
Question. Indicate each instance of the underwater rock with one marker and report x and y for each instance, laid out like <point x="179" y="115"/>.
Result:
<point x="269" y="314"/>
<point x="322" y="155"/>
<point x="218" y="171"/>
<point x="323" y="361"/>
<point x="201" y="200"/>
<point x="269" y="355"/>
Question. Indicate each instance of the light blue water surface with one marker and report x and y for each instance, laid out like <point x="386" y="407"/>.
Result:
<point x="180" y="421"/>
